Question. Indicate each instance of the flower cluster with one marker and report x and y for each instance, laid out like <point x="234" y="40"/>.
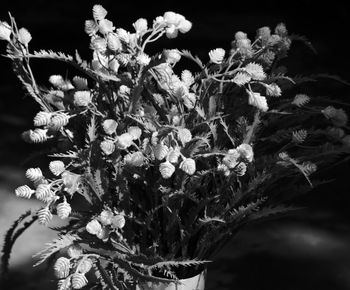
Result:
<point x="169" y="165"/>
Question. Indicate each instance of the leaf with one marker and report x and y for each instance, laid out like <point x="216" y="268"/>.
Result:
<point x="92" y="130"/>
<point x="10" y="238"/>
<point x="56" y="245"/>
<point x="226" y="130"/>
<point x="196" y="59"/>
<point x="304" y="40"/>
<point x="185" y="263"/>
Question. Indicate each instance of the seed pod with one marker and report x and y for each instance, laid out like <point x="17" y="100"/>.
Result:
<point x="74" y="251"/>
<point x="161" y="151"/>
<point x="109" y="126"/>
<point x="166" y="169"/>
<point x="107" y="147"/>
<point x="62" y="267"/>
<point x="188" y="165"/>
<point x="118" y="221"/>
<point x="44" y="216"/>
<point x="93" y="227"/>
<point x="24" y="191"/>
<point x="42" y="119"/>
<point x="34" y="174"/>
<point x="43" y="192"/>
<point x="135" y="132"/>
<point x="78" y="280"/>
<point x="57" y="167"/>
<point x="184" y="135"/>
<point x="63" y="210"/>
<point x="173" y="155"/>
<point x="84" y="266"/>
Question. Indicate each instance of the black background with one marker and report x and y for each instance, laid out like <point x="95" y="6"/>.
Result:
<point x="59" y="25"/>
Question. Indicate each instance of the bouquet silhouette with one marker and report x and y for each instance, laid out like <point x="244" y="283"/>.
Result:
<point x="155" y="169"/>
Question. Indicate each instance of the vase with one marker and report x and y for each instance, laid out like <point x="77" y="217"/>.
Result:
<point x="193" y="283"/>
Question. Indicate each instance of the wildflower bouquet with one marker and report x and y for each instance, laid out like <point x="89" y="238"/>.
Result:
<point x="156" y="170"/>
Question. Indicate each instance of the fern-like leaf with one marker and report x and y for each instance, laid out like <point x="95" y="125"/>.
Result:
<point x="54" y="246"/>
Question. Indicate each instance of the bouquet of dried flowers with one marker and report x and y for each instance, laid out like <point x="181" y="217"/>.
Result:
<point x="170" y="164"/>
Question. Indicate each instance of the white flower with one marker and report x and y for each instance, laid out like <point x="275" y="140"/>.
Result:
<point x="188" y="165"/>
<point x="184" y="135"/>
<point x="109" y="126"/>
<point x="140" y="26"/>
<point x="173" y="155"/>
<point x="187" y="78"/>
<point x="240" y="169"/>
<point x="42" y="118"/>
<point x="230" y="160"/>
<point x="107" y="147"/>
<point x="71" y="181"/>
<point x="57" y="167"/>
<point x="256" y="100"/>
<point x="114" y="65"/>
<point x="172" y="56"/>
<point x="74" y="251"/>
<point x="98" y="44"/>
<point x="84" y="266"/>
<point x="217" y="55"/>
<point x="24" y="36"/>
<point x="24" y="191"/>
<point x="135" y="132"/>
<point x="44" y="216"/>
<point x="300" y="100"/>
<point x="113" y="42"/>
<point x="5" y="31"/>
<point x="80" y="83"/>
<point x="166" y="169"/>
<point x="91" y="27"/>
<point x="78" y="280"/>
<point x="93" y="227"/>
<point x="56" y="80"/>
<point x="241" y="78"/>
<point x="63" y="210"/>
<point x="105" y="217"/>
<point x="118" y="221"/>
<point x="62" y="267"/>
<point x="34" y="174"/>
<point x="123" y="35"/>
<point x="255" y="70"/>
<point x="82" y="98"/>
<point x="189" y="100"/>
<point x="337" y="116"/>
<point x="160" y="151"/>
<point x="240" y="35"/>
<point x="124" y="141"/>
<point x="176" y="22"/>
<point x="336" y="132"/>
<point x="99" y="12"/>
<point x="273" y="90"/>
<point x="135" y="159"/>
<point x="143" y="59"/>
<point x="159" y="22"/>
<point x="264" y="33"/>
<point x="246" y="151"/>
<point x="105" y="26"/>
<point x="124" y="90"/>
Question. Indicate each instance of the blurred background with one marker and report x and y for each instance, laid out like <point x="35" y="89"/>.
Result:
<point x="307" y="250"/>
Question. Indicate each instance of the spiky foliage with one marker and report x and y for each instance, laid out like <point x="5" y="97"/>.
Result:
<point x="171" y="166"/>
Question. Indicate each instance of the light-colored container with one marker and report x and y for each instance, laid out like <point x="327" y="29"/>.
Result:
<point x="193" y="283"/>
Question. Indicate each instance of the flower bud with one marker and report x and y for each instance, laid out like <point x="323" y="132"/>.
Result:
<point x="217" y="55"/>
<point x="188" y="165"/>
<point x="166" y="169"/>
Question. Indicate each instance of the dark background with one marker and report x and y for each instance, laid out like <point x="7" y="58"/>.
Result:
<point x="307" y="251"/>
